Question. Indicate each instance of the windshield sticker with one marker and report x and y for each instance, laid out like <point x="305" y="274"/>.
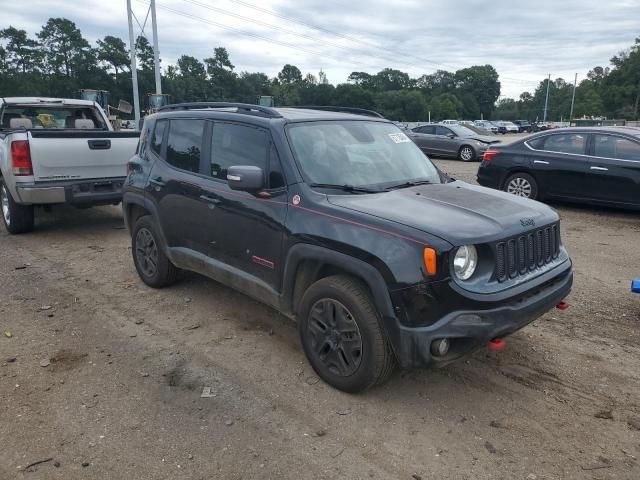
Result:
<point x="399" y="137"/>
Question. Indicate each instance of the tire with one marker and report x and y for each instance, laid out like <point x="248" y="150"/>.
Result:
<point x="466" y="153"/>
<point x="17" y="218"/>
<point x="338" y="312"/>
<point x="522" y="185"/>
<point x="153" y="266"/>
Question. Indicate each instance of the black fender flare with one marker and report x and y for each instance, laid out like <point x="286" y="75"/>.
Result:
<point x="135" y="198"/>
<point x="356" y="267"/>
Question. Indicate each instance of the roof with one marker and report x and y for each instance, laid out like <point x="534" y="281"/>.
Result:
<point x="632" y="131"/>
<point x="306" y="114"/>
<point x="44" y="101"/>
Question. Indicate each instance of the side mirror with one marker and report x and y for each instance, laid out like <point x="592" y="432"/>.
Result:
<point x="452" y="135"/>
<point x="246" y="178"/>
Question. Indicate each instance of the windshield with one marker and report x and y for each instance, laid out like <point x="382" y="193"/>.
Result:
<point x="463" y="131"/>
<point x="358" y="153"/>
<point x="44" y="116"/>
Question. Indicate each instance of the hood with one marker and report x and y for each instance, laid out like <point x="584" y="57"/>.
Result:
<point x="457" y="212"/>
<point x="484" y="138"/>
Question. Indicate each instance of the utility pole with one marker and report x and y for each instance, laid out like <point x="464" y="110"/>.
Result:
<point x="546" y="100"/>
<point x="156" y="53"/>
<point x="134" y="71"/>
<point x="573" y="97"/>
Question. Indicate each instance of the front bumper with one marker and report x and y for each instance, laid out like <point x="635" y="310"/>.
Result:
<point x="102" y="191"/>
<point x="468" y="330"/>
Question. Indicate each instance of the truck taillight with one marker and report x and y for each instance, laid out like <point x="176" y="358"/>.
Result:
<point x="21" y="158"/>
<point x="489" y="154"/>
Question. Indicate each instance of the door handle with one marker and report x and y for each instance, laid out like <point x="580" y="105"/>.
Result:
<point x="600" y="169"/>
<point x="209" y="199"/>
<point x="541" y="162"/>
<point x="99" y="144"/>
<point x="158" y="182"/>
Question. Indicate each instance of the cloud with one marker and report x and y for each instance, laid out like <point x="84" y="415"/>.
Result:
<point x="524" y="41"/>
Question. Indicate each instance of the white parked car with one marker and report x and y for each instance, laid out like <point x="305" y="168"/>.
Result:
<point x="449" y="122"/>
<point x="55" y="151"/>
<point x="510" y="127"/>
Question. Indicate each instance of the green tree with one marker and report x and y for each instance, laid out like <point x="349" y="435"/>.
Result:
<point x="66" y="51"/>
<point x="144" y="53"/>
<point x="223" y="78"/>
<point x="290" y="74"/>
<point x="445" y="106"/>
<point x="402" y="105"/>
<point x="348" y="95"/>
<point x="21" y="53"/>
<point x="479" y="82"/>
<point x="113" y="51"/>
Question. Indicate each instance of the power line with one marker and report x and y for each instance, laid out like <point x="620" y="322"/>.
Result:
<point x="357" y="40"/>
<point x="279" y="28"/>
<point x="287" y="44"/>
<point x="251" y="34"/>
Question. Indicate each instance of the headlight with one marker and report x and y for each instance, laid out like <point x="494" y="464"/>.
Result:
<point x="465" y="261"/>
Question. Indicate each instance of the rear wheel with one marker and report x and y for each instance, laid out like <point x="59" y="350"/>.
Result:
<point x="466" y="153"/>
<point x="17" y="218"/>
<point x="153" y="266"/>
<point x="522" y="185"/>
<point x="342" y="336"/>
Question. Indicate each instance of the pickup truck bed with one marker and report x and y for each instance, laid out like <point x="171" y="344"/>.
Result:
<point x="56" y="151"/>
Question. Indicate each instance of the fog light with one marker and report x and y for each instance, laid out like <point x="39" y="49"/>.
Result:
<point x="440" y="347"/>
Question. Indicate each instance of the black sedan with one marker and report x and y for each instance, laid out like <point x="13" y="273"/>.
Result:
<point x="597" y="165"/>
<point x="457" y="141"/>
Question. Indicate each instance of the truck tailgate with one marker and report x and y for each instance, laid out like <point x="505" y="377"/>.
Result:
<point x="69" y="155"/>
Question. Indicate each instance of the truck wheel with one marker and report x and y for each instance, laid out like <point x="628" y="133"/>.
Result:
<point x="522" y="185"/>
<point x="341" y="334"/>
<point x="466" y="153"/>
<point x="17" y="218"/>
<point x="153" y="266"/>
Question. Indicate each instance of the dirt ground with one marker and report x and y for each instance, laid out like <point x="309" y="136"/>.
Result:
<point x="103" y="376"/>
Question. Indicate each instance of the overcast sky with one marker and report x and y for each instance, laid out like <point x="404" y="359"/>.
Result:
<point x="524" y="41"/>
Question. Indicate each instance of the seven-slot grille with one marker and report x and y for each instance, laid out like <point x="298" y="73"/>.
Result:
<point x="527" y="252"/>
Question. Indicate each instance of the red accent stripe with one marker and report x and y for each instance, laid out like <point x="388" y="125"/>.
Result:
<point x="352" y="222"/>
<point x="263" y="261"/>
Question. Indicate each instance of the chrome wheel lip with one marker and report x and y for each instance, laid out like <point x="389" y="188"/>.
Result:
<point x="146" y="252"/>
<point x="4" y="200"/>
<point x="520" y="187"/>
<point x="334" y="337"/>
<point x="469" y="154"/>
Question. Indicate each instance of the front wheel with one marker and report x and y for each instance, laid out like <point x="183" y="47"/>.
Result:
<point x="17" y="218"/>
<point x="466" y="153"/>
<point x="522" y="185"/>
<point x="342" y="336"/>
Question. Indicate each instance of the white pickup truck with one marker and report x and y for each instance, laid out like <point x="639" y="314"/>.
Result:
<point x="55" y="151"/>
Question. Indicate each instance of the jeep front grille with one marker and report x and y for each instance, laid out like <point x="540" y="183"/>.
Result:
<point x="522" y="254"/>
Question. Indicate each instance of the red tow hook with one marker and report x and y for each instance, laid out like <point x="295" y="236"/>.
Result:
<point x="562" y="305"/>
<point x="496" y="345"/>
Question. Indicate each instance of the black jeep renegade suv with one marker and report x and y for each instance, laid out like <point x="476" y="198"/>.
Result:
<point x="339" y="221"/>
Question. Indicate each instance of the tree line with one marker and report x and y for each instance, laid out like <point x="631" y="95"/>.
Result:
<point x="59" y="61"/>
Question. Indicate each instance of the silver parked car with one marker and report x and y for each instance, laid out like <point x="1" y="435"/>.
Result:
<point x="457" y="141"/>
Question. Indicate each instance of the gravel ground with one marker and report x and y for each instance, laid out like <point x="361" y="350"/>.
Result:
<point x="102" y="376"/>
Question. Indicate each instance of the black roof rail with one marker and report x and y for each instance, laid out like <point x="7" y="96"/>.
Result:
<point x="357" y="111"/>
<point x="245" y="108"/>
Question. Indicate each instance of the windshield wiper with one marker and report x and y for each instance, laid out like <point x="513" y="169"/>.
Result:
<point x="345" y="188"/>
<point x="410" y="183"/>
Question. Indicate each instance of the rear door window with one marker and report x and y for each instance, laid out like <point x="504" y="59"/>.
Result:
<point x="562" y="143"/>
<point x="236" y="145"/>
<point x="184" y="144"/>
<point x="610" y="146"/>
